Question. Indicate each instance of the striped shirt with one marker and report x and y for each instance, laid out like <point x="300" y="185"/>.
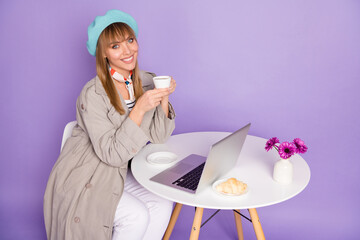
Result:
<point x="130" y="104"/>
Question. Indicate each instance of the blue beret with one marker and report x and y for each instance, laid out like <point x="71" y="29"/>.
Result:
<point x="101" y="22"/>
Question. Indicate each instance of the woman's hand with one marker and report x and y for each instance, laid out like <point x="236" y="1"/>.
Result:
<point x="172" y="85"/>
<point x="165" y="100"/>
<point x="171" y="90"/>
<point x="149" y="100"/>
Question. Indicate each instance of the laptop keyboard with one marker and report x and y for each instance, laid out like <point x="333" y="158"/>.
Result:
<point x="191" y="179"/>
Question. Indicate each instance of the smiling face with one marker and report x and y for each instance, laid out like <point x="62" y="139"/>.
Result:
<point x="120" y="48"/>
<point x="122" y="55"/>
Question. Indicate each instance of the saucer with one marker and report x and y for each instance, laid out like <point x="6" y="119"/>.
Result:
<point x="161" y="158"/>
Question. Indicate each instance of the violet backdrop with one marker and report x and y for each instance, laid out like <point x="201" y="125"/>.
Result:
<point x="291" y="68"/>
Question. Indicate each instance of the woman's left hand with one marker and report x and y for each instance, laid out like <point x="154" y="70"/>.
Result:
<point x="171" y="90"/>
<point x="165" y="100"/>
<point x="172" y="85"/>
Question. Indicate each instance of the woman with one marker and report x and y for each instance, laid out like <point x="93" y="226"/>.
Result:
<point x="90" y="193"/>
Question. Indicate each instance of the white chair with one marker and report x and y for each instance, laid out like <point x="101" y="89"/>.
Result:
<point x="67" y="132"/>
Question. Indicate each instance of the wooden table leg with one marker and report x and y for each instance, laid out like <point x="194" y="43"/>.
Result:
<point x="174" y="217"/>
<point x="239" y="225"/>
<point x="256" y="223"/>
<point x="195" y="230"/>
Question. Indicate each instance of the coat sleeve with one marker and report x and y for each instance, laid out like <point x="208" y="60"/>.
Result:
<point x="114" y="145"/>
<point x="161" y="127"/>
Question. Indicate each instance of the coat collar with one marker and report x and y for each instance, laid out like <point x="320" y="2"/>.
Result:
<point x="99" y="89"/>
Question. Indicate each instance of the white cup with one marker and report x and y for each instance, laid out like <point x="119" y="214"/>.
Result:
<point x="162" y="81"/>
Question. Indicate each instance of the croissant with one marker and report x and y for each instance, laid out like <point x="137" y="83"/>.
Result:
<point x="232" y="186"/>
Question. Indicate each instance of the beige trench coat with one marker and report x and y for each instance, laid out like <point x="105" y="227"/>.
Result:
<point x="87" y="180"/>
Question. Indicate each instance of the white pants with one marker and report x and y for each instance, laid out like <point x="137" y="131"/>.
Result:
<point x="140" y="214"/>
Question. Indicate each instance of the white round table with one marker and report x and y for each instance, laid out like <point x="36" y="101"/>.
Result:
<point x="254" y="167"/>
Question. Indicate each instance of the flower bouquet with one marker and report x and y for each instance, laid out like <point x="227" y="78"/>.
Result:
<point x="286" y="149"/>
<point x="283" y="169"/>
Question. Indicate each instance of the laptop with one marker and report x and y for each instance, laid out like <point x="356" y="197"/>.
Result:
<point x="194" y="173"/>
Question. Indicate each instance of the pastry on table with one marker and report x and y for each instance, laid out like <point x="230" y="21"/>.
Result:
<point x="232" y="186"/>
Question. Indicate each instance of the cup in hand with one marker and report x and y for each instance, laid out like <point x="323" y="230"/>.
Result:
<point x="162" y="81"/>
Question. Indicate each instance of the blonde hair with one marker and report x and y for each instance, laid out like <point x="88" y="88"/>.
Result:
<point x="116" y="31"/>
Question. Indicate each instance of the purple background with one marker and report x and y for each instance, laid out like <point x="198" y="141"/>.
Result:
<point x="291" y="68"/>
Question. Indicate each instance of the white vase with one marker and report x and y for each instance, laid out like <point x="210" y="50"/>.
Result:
<point x="283" y="171"/>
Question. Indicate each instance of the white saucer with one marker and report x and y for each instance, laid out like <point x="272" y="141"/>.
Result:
<point x="227" y="194"/>
<point x="161" y="158"/>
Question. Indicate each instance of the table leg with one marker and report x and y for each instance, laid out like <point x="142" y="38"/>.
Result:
<point x="256" y="223"/>
<point x="195" y="230"/>
<point x="239" y="225"/>
<point x="174" y="217"/>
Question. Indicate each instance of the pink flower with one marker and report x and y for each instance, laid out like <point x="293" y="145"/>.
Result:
<point x="286" y="150"/>
<point x="271" y="142"/>
<point x="300" y="145"/>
